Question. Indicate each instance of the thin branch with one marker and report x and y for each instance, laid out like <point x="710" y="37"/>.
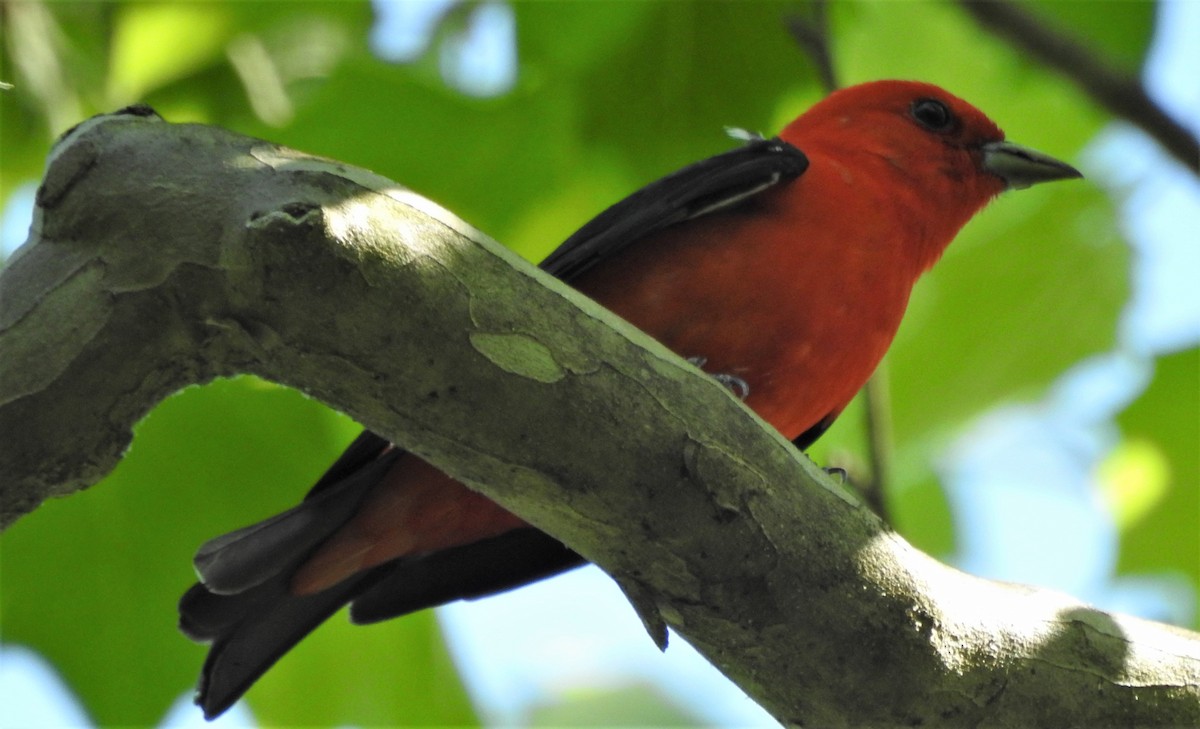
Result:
<point x="878" y="399"/>
<point x="811" y="32"/>
<point x="1121" y="94"/>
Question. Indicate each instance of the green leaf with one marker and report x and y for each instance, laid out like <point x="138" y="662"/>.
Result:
<point x="91" y="581"/>
<point x="1133" y="481"/>
<point x="390" y="674"/>
<point x="1119" y="32"/>
<point x="157" y="43"/>
<point x="998" y="319"/>
<point x="1167" y="418"/>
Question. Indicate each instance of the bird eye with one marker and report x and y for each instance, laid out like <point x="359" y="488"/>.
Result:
<point x="932" y="114"/>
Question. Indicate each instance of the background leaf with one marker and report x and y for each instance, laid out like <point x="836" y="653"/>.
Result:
<point x="1121" y="33"/>
<point x="1167" y="419"/>
<point x="93" y="583"/>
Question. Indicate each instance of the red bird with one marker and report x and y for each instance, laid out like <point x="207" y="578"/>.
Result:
<point x="783" y="267"/>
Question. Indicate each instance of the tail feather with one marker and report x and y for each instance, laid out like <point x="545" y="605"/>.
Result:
<point x="252" y="630"/>
<point x="204" y="615"/>
<point x="241" y="560"/>
<point x="244" y="606"/>
<point x="471" y="571"/>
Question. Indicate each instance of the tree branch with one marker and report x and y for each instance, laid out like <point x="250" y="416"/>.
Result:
<point x="1121" y="94"/>
<point x="166" y="255"/>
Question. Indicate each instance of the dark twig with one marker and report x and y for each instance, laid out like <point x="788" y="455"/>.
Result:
<point x="1121" y="94"/>
<point x="878" y="400"/>
<point x="811" y="33"/>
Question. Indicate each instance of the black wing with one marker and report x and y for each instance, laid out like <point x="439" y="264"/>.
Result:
<point x="717" y="183"/>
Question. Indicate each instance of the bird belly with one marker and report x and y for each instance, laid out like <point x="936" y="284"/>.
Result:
<point x="803" y="336"/>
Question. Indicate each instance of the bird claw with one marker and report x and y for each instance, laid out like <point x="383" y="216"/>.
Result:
<point x="735" y="384"/>
<point x="838" y="473"/>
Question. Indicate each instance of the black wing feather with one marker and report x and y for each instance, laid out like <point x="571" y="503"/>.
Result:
<point x="717" y="183"/>
<point x="471" y="571"/>
<point x="362" y="450"/>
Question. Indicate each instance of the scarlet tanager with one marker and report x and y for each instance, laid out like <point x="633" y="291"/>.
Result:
<point x="783" y="267"/>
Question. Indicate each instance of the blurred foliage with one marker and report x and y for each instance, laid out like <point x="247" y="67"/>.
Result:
<point x="634" y="705"/>
<point x="1121" y="34"/>
<point x="93" y="581"/>
<point x="608" y="95"/>
<point x="1164" y="425"/>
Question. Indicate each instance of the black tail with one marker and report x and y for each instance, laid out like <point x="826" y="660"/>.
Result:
<point x="251" y="630"/>
<point x="243" y="606"/>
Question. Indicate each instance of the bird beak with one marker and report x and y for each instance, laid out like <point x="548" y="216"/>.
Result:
<point x="1021" y="167"/>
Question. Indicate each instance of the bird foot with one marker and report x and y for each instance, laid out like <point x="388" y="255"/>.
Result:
<point x="735" y="384"/>
<point x="838" y="473"/>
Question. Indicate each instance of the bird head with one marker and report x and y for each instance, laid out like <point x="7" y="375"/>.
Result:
<point x="911" y="145"/>
<point x="919" y="126"/>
